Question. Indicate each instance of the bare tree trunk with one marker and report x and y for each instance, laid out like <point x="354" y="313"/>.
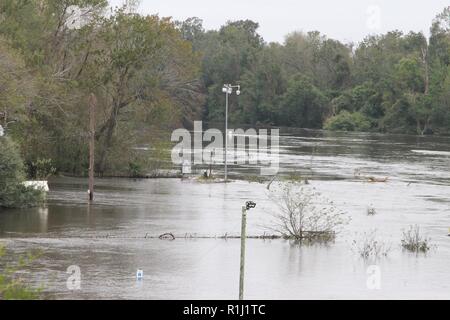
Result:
<point x="426" y="70"/>
<point x="418" y="128"/>
<point x="92" y="105"/>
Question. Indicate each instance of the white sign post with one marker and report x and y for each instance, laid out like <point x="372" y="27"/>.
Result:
<point x="186" y="168"/>
<point x="2" y="131"/>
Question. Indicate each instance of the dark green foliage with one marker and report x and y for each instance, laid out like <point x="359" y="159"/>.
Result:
<point x="135" y="169"/>
<point x="393" y="82"/>
<point x="12" y="193"/>
<point x="346" y="121"/>
<point x="303" y="104"/>
<point x="41" y="169"/>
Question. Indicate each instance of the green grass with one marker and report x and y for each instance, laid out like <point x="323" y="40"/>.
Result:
<point x="12" y="286"/>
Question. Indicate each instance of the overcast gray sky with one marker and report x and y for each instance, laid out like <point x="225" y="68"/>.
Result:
<point x="345" y="20"/>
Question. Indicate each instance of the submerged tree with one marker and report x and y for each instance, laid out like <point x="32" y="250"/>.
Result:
<point x="305" y="213"/>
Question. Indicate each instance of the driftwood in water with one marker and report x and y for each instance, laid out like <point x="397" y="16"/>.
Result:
<point x="373" y="179"/>
<point x="271" y="180"/>
<point x="167" y="236"/>
<point x="358" y="175"/>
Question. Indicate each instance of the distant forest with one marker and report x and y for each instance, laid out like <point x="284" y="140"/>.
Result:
<point x="152" y="74"/>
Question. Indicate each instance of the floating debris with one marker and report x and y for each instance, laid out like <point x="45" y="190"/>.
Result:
<point x="167" y="236"/>
<point x="357" y="175"/>
<point x="432" y="152"/>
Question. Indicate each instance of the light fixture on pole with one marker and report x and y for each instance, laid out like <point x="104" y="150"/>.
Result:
<point x="228" y="89"/>
<point x="248" y="205"/>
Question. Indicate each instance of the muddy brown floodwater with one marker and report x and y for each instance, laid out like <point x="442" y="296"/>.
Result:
<point x="107" y="239"/>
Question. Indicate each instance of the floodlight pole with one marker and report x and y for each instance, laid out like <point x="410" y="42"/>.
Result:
<point x="226" y="134"/>
<point x="228" y="89"/>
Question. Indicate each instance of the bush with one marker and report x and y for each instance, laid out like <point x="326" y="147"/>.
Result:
<point x="413" y="241"/>
<point x="13" y="194"/>
<point x="305" y="213"/>
<point x="11" y="165"/>
<point x="371" y="211"/>
<point x="346" y="121"/>
<point x="135" y="169"/>
<point x="367" y="245"/>
<point x="42" y="169"/>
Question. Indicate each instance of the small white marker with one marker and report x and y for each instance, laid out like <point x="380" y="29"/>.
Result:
<point x="139" y="274"/>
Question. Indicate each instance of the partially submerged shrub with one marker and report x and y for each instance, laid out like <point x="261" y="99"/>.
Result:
<point x="304" y="213"/>
<point x="346" y="121"/>
<point x="12" y="192"/>
<point x="367" y="245"/>
<point x="294" y="177"/>
<point x="44" y="169"/>
<point x="254" y="178"/>
<point x="413" y="241"/>
<point x="371" y="211"/>
<point x="135" y="169"/>
<point x="20" y="196"/>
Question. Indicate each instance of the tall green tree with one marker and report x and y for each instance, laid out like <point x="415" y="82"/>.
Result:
<point x="303" y="105"/>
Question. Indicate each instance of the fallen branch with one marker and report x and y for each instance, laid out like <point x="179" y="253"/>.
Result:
<point x="358" y="175"/>
<point x="373" y="179"/>
<point x="166" y="236"/>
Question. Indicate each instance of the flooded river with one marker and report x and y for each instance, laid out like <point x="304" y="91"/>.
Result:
<point x="111" y="239"/>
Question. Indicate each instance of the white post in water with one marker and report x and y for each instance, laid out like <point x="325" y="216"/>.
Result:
<point x="228" y="89"/>
<point x="92" y="105"/>
<point x="248" y="205"/>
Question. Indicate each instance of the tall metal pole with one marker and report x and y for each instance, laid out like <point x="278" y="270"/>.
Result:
<point x="226" y="134"/>
<point x="242" y="267"/>
<point x="92" y="104"/>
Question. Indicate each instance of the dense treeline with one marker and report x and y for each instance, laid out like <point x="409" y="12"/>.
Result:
<point x="152" y="74"/>
<point x="389" y="83"/>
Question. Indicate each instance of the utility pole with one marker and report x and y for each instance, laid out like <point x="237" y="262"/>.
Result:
<point x="92" y="105"/>
<point x="248" y="205"/>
